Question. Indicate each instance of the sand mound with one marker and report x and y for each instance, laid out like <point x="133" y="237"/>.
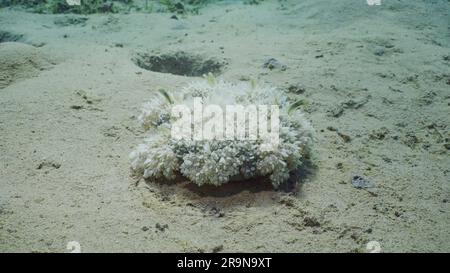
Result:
<point x="20" y="61"/>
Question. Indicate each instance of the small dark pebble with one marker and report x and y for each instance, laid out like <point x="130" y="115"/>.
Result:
<point x="344" y="137"/>
<point x="160" y="227"/>
<point x="48" y="164"/>
<point x="379" y="51"/>
<point x="311" y="222"/>
<point x="217" y="212"/>
<point x="387" y="159"/>
<point x="354" y="236"/>
<point x="379" y="134"/>
<point x="165" y="198"/>
<point x="287" y="201"/>
<point x="76" y="107"/>
<point x="11" y="230"/>
<point x="336" y="111"/>
<point x="331" y="128"/>
<point x="296" y="89"/>
<point x="273" y="63"/>
<point x="217" y="249"/>
<point x="360" y="182"/>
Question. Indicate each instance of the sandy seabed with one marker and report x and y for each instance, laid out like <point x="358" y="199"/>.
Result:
<point x="376" y="80"/>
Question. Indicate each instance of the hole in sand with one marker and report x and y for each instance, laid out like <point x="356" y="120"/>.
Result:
<point x="258" y="192"/>
<point x="178" y="63"/>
